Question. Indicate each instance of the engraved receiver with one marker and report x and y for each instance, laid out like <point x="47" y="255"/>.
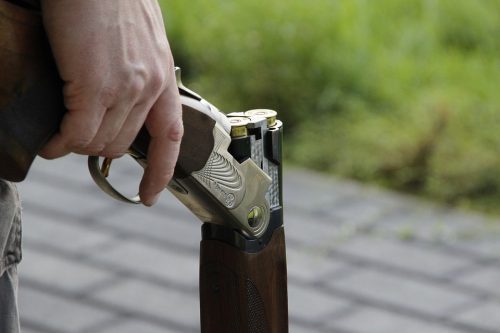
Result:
<point x="222" y="174"/>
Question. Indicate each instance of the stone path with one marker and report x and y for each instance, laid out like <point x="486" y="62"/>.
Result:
<point x="360" y="260"/>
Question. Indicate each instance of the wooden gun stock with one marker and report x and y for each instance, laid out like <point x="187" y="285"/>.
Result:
<point x="242" y="291"/>
<point x="31" y="103"/>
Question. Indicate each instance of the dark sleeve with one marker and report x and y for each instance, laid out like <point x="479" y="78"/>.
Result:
<point x="31" y="4"/>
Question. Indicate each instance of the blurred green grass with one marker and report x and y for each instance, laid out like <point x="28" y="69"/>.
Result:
<point x="400" y="93"/>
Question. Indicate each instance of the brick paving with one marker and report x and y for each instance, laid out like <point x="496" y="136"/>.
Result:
<point x="361" y="260"/>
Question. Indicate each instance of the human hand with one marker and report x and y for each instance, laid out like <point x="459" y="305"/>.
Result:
<point x="118" y="73"/>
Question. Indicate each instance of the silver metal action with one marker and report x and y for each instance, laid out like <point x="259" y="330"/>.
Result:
<point x="241" y="191"/>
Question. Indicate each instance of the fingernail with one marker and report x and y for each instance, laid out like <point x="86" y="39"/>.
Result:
<point x="150" y="202"/>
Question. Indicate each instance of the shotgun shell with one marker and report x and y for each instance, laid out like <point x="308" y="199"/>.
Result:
<point x="236" y="114"/>
<point x="270" y="115"/>
<point x="238" y="126"/>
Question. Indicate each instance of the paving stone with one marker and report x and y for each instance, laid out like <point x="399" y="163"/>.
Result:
<point x="61" y="314"/>
<point x="485" y="244"/>
<point x="61" y="273"/>
<point x="469" y="224"/>
<point x="311" y="265"/>
<point x="357" y="210"/>
<point x="482" y="315"/>
<point x="372" y="320"/>
<point x="322" y="213"/>
<point x="63" y="234"/>
<point x="485" y="278"/>
<point x="308" y="191"/>
<point x="420" y="220"/>
<point x="143" y="298"/>
<point x="175" y="224"/>
<point x="70" y="200"/>
<point x="135" y="326"/>
<point x="428" y="222"/>
<point x="164" y="264"/>
<point x="434" y="299"/>
<point x="403" y="254"/>
<point x="72" y="168"/>
<point x="303" y="229"/>
<point x="307" y="303"/>
<point x="326" y="196"/>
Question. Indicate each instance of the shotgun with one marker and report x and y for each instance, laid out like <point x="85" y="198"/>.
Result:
<point x="229" y="174"/>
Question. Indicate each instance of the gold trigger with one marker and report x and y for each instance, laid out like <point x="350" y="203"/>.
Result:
<point x="100" y="173"/>
<point x="106" y="166"/>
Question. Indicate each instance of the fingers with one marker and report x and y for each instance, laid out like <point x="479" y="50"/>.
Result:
<point x="107" y="133"/>
<point x="123" y="139"/>
<point x="119" y="122"/>
<point x="164" y="124"/>
<point x="129" y="127"/>
<point x="79" y="125"/>
<point x="92" y="121"/>
<point x="105" y="122"/>
<point x="118" y="75"/>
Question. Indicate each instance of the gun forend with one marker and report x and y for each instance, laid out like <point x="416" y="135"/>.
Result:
<point x="217" y="177"/>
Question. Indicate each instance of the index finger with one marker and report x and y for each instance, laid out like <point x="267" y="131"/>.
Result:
<point x="164" y="124"/>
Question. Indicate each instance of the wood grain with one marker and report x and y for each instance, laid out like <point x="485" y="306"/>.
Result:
<point x="31" y="103"/>
<point x="243" y="292"/>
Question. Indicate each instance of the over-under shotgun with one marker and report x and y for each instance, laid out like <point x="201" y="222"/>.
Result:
<point x="229" y="174"/>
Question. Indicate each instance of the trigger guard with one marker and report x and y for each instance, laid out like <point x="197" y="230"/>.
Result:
<point x="104" y="185"/>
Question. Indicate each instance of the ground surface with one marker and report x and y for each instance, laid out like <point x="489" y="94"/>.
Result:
<point x="360" y="260"/>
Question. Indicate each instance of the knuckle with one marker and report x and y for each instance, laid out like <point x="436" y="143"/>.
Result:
<point x="136" y="86"/>
<point x="108" y="95"/>
<point x="74" y="96"/>
<point x="80" y="142"/>
<point x="104" y="145"/>
<point x="157" y="80"/>
<point x="116" y="149"/>
<point x="176" y="131"/>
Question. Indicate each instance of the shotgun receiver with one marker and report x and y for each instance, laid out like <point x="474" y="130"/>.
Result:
<point x="220" y="181"/>
<point x="229" y="174"/>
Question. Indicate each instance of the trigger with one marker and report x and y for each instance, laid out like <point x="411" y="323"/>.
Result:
<point x="99" y="174"/>
<point x="106" y="166"/>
